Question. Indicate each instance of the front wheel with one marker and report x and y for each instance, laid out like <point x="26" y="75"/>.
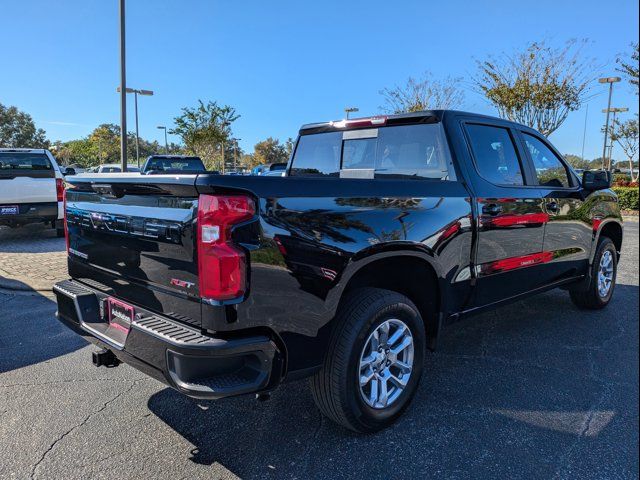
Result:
<point x="603" y="278"/>
<point x="374" y="362"/>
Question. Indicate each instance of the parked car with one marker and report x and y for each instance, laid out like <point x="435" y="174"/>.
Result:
<point x="112" y="168"/>
<point x="31" y="188"/>
<point x="276" y="170"/>
<point x="271" y="170"/>
<point x="259" y="170"/>
<point x="344" y="271"/>
<point x="164" y="164"/>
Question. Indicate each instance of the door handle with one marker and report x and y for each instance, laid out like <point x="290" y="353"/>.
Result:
<point x="553" y="207"/>
<point x="491" y="209"/>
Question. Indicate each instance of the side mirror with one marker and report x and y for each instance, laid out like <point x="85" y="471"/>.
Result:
<point x="69" y="171"/>
<point x="596" y="180"/>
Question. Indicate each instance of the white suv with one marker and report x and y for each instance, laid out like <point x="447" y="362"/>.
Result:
<point x="31" y="188"/>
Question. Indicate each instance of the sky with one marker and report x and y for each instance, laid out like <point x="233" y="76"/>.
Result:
<point x="285" y="63"/>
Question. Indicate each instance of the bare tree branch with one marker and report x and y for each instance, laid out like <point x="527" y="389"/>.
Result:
<point x="421" y="94"/>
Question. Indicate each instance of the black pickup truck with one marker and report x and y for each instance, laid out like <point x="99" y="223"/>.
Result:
<point x="344" y="270"/>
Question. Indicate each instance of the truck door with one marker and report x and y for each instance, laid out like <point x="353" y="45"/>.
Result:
<point x="569" y="231"/>
<point x="511" y="217"/>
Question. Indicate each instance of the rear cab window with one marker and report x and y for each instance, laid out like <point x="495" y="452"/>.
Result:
<point x="173" y="164"/>
<point x="25" y="164"/>
<point x="398" y="151"/>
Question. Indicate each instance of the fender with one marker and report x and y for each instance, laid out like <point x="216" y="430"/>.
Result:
<point x="378" y="252"/>
<point x="598" y="226"/>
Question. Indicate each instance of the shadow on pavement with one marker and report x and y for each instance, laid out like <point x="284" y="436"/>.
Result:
<point x="30" y="332"/>
<point x="33" y="238"/>
<point x="515" y="393"/>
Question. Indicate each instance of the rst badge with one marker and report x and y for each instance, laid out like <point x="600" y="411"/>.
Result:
<point x="176" y="282"/>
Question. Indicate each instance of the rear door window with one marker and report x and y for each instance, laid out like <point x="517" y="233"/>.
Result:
<point x="495" y="154"/>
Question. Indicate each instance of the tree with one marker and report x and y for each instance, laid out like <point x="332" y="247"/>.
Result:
<point x="538" y="86"/>
<point x="17" y="130"/>
<point x="102" y="145"/>
<point x="626" y="135"/>
<point x="270" y="151"/>
<point x="421" y="94"/>
<point x="204" y="129"/>
<point x="105" y="142"/>
<point x="577" y="162"/>
<point x="629" y="68"/>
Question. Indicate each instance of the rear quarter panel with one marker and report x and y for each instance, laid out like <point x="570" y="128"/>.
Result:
<point x="315" y="236"/>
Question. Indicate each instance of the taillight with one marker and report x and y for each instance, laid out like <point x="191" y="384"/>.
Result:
<point x="64" y="212"/>
<point x="221" y="265"/>
<point x="59" y="189"/>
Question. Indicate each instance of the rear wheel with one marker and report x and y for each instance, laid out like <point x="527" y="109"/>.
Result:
<point x="374" y="363"/>
<point x="603" y="278"/>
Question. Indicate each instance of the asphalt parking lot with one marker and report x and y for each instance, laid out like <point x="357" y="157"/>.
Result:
<point x="537" y="389"/>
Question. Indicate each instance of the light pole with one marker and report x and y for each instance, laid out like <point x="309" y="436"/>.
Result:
<point x="166" y="145"/>
<point x="224" y="131"/>
<point x="349" y="110"/>
<point x="614" y="110"/>
<point x="137" y="92"/>
<point x="123" y="93"/>
<point x="610" y="81"/>
<point x="235" y="154"/>
<point x="584" y="132"/>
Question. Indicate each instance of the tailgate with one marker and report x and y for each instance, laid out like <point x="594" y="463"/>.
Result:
<point x="134" y="237"/>
<point x="26" y="177"/>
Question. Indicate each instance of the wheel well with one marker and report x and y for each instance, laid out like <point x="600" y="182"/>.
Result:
<point x="409" y="276"/>
<point x="613" y="231"/>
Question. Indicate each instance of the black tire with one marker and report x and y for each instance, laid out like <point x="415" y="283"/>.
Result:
<point x="59" y="226"/>
<point x="335" y="387"/>
<point x="590" y="298"/>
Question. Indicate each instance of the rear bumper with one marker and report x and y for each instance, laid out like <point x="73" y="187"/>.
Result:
<point x="32" y="213"/>
<point x="198" y="365"/>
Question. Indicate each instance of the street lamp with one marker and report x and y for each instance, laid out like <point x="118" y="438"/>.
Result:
<point x="349" y="110"/>
<point x="613" y="110"/>
<point x="610" y="81"/>
<point x="136" y="93"/>
<point x="123" y="95"/>
<point x="166" y="145"/>
<point x="225" y="124"/>
<point x="235" y="154"/>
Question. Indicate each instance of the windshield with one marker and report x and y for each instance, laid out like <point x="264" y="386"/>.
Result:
<point x="24" y="161"/>
<point x="187" y="164"/>
<point x="402" y="151"/>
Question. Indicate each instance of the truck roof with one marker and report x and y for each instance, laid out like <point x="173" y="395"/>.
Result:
<point x="172" y="156"/>
<point x="425" y="116"/>
<point x="30" y="150"/>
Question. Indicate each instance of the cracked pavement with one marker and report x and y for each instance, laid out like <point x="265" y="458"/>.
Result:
<point x="537" y="389"/>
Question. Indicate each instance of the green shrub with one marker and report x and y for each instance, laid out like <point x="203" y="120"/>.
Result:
<point x="620" y="178"/>
<point x="627" y="197"/>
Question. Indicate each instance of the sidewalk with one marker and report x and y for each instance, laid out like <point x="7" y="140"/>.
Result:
<point x="31" y="258"/>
